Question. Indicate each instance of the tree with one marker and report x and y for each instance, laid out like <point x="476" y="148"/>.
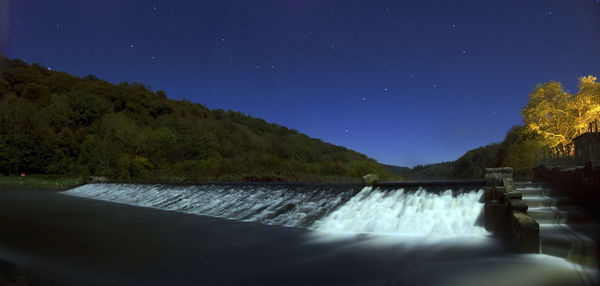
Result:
<point x="559" y="116"/>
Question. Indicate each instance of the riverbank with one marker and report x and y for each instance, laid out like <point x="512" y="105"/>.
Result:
<point x="48" y="182"/>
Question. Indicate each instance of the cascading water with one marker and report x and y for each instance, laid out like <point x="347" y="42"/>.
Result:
<point x="407" y="213"/>
<point x="327" y="209"/>
<point x="280" y="205"/>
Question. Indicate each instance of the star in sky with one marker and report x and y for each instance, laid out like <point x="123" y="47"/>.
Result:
<point x="262" y="38"/>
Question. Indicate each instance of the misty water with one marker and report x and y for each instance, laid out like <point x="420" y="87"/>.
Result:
<point x="416" y="236"/>
<point x="347" y="209"/>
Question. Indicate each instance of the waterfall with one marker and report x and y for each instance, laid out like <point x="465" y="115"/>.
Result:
<point x="326" y="209"/>
<point x="407" y="213"/>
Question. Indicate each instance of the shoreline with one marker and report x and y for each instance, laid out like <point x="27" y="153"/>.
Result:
<point x="45" y="182"/>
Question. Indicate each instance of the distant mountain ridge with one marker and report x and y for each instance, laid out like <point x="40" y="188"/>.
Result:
<point x="56" y="123"/>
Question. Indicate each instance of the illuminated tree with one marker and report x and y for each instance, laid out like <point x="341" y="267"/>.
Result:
<point x="560" y="116"/>
<point x="586" y="103"/>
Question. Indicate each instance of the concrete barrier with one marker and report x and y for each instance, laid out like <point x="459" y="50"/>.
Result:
<point x="579" y="183"/>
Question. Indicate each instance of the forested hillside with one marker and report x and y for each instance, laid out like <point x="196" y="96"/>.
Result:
<point x="55" y="123"/>
<point x="552" y="117"/>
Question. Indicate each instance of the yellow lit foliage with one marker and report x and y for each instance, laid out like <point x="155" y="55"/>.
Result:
<point x="560" y="116"/>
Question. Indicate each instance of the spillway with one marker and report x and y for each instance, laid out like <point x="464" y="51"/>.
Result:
<point x="334" y="208"/>
<point x="408" y="213"/>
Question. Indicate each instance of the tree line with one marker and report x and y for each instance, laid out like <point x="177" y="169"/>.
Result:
<point x="55" y="123"/>
<point x="552" y="116"/>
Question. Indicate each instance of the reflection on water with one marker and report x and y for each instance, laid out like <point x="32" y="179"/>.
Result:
<point x="460" y="260"/>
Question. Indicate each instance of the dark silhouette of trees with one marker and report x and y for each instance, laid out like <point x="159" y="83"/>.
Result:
<point x="55" y="123"/>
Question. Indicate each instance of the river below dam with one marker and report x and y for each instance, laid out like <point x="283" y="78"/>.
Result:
<point x="236" y="234"/>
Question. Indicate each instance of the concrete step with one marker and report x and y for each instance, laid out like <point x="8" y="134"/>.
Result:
<point x="527" y="184"/>
<point x="567" y="214"/>
<point x="565" y="229"/>
<point x="563" y="241"/>
<point x="544" y="201"/>
<point x="548" y="215"/>
<point x="539" y="193"/>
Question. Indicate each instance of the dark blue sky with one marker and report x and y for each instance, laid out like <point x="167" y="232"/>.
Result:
<point x="405" y="82"/>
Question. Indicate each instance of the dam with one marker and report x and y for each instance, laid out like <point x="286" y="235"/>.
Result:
<point x="275" y="234"/>
<point x="407" y="210"/>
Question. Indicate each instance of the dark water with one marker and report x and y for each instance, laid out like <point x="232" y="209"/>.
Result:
<point x="66" y="240"/>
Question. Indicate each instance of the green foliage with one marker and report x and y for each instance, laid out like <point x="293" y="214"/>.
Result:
<point x="40" y="181"/>
<point x="552" y="116"/>
<point x="517" y="150"/>
<point x="54" y="123"/>
<point x="437" y="171"/>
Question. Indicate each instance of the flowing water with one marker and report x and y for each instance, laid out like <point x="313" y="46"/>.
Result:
<point x="331" y="234"/>
<point x="324" y="208"/>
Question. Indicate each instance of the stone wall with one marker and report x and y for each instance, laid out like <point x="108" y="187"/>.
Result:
<point x="506" y="214"/>
<point x="587" y="148"/>
<point x="581" y="183"/>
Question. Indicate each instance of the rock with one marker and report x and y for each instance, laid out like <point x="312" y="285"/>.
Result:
<point x="494" y="194"/>
<point x="287" y="208"/>
<point x="527" y="233"/>
<point x="509" y="184"/>
<point x="514" y="195"/>
<point x="370" y="179"/>
<point x="98" y="179"/>
<point x="495" y="216"/>
<point x="494" y="176"/>
<point x="519" y="205"/>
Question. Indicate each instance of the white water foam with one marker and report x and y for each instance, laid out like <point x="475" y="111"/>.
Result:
<point x="408" y="213"/>
<point x="266" y="204"/>
<point x="414" y="213"/>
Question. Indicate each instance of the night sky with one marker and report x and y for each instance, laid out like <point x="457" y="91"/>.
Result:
<point x="405" y="82"/>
